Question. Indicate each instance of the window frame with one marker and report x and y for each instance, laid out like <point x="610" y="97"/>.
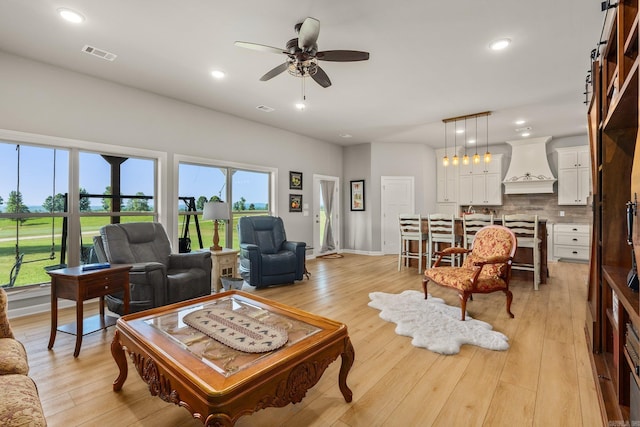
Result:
<point x="74" y="147"/>
<point x="230" y="166"/>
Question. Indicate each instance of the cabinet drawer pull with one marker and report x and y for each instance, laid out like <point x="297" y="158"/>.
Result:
<point x="575" y="252"/>
<point x="575" y="240"/>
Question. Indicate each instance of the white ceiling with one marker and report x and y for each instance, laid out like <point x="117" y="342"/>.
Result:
<point x="429" y="60"/>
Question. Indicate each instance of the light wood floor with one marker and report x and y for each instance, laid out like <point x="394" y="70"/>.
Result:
<point x="544" y="379"/>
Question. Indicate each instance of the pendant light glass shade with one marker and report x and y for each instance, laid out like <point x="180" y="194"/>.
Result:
<point x="465" y="158"/>
<point x="487" y="155"/>
<point x="476" y="156"/>
<point x="445" y="159"/>
<point x="454" y="159"/>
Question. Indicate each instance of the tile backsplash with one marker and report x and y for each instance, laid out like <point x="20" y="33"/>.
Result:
<point x="544" y="205"/>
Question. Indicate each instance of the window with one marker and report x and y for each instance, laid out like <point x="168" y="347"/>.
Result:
<point x="250" y="196"/>
<point x="33" y="212"/>
<point x="248" y="191"/>
<point x="36" y="210"/>
<point x="113" y="189"/>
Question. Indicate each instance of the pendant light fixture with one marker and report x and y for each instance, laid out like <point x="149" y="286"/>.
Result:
<point x="476" y="157"/>
<point x="445" y="159"/>
<point x="465" y="158"/>
<point x="487" y="155"/>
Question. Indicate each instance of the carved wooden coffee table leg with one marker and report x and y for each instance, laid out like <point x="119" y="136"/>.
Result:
<point x="121" y="360"/>
<point x="348" y="357"/>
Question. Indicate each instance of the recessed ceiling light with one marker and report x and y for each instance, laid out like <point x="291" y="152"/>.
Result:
<point x="525" y="134"/>
<point x="500" y="44"/>
<point x="520" y="122"/>
<point x="218" y="74"/>
<point x="524" y="129"/>
<point x="345" y="135"/>
<point x="460" y="131"/>
<point x="70" y="15"/>
<point x="300" y="106"/>
<point x="471" y="141"/>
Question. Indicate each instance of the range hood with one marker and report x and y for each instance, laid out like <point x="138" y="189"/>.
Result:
<point x="529" y="170"/>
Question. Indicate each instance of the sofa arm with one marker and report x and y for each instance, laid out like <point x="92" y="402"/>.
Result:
<point x="200" y="259"/>
<point x="5" y="326"/>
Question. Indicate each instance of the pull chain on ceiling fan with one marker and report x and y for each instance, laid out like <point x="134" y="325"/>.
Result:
<point x="303" y="56"/>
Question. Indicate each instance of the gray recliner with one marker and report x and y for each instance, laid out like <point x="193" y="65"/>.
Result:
<point x="266" y="257"/>
<point x="158" y="277"/>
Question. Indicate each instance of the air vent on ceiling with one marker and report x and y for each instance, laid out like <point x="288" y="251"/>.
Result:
<point x="264" y="108"/>
<point x="91" y="50"/>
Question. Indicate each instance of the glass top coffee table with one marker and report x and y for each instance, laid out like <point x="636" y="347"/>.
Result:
<point x="177" y="351"/>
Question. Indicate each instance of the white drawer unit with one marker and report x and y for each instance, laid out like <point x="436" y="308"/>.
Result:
<point x="571" y="241"/>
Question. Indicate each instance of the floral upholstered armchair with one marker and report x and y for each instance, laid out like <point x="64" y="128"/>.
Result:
<point x="487" y="267"/>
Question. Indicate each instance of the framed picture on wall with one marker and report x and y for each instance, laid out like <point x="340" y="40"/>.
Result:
<point x="295" y="180"/>
<point x="295" y="202"/>
<point x="357" y="195"/>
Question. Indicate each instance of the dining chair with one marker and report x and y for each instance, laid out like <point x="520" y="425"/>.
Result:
<point x="471" y="224"/>
<point x="487" y="268"/>
<point x="525" y="228"/>
<point x="441" y="230"/>
<point x="411" y="231"/>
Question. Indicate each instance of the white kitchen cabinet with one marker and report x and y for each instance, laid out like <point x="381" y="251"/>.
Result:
<point x="574" y="175"/>
<point x="446" y="179"/>
<point x="481" y="184"/>
<point x="571" y="241"/>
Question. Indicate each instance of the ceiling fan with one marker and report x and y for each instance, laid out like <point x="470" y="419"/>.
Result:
<point x="303" y="56"/>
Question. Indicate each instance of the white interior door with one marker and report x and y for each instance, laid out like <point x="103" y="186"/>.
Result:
<point x="325" y="242"/>
<point x="397" y="197"/>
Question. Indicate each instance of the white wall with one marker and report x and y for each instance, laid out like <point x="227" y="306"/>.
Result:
<point x="371" y="162"/>
<point x="42" y="99"/>
<point x="357" y="224"/>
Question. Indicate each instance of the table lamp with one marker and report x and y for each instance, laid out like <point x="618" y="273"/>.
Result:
<point x="216" y="211"/>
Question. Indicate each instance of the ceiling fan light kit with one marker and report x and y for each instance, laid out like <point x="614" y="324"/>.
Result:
<point x="303" y="56"/>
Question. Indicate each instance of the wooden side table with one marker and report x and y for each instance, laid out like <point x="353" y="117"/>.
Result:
<point x="224" y="263"/>
<point x="77" y="285"/>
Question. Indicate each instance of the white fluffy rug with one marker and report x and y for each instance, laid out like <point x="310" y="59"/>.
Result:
<point x="433" y="324"/>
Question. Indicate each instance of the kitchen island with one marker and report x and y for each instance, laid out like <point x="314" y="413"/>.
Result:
<point x="523" y="255"/>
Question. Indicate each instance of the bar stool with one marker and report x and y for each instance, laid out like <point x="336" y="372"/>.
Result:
<point x="411" y="231"/>
<point x="471" y="223"/>
<point x="441" y="230"/>
<point x="525" y="228"/>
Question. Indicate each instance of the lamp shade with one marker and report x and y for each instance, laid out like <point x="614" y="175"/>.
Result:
<point x="215" y="211"/>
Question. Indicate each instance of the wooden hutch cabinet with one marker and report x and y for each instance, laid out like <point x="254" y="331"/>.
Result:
<point x="612" y="309"/>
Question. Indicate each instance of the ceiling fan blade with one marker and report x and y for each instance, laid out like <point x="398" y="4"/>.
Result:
<point x="308" y="34"/>
<point x="342" y="55"/>
<point x="260" y="47"/>
<point x="321" y="78"/>
<point x="271" y="74"/>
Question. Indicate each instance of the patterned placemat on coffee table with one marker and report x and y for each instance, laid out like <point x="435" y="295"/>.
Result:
<point x="237" y="330"/>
